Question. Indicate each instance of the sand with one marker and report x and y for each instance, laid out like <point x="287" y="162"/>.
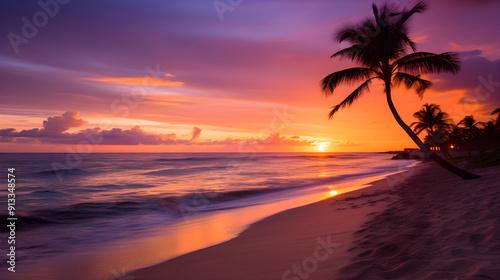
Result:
<point x="441" y="227"/>
<point x="421" y="224"/>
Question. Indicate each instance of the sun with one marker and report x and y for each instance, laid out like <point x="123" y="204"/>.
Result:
<point x="322" y="146"/>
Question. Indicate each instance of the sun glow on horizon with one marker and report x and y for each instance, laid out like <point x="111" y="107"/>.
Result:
<point x="322" y="146"/>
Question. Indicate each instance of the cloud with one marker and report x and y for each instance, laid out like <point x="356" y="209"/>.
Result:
<point x="351" y="144"/>
<point x="470" y="3"/>
<point x="133" y="136"/>
<point x="479" y="77"/>
<point x="196" y="133"/>
<point x="469" y="54"/>
<point x="137" y="81"/>
<point x="275" y="139"/>
<point x="55" y="129"/>
<point x="59" y="124"/>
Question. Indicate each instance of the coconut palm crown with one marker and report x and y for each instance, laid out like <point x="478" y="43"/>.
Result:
<point x="385" y="52"/>
<point x="497" y="112"/>
<point x="470" y="126"/>
<point x="430" y="118"/>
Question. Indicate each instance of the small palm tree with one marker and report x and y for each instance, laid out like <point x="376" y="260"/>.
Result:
<point x="470" y="126"/>
<point x="497" y="112"/>
<point x="456" y="137"/>
<point x="436" y="123"/>
<point x="470" y="129"/>
<point x="381" y="46"/>
<point x="491" y="134"/>
<point x="430" y="118"/>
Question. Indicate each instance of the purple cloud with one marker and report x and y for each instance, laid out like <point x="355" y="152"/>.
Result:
<point x="480" y="77"/>
<point x="59" y="124"/>
<point x="54" y="132"/>
<point x="196" y="133"/>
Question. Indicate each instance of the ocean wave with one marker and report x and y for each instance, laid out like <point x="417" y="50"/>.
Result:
<point x="24" y="223"/>
<point x="189" y="159"/>
<point x="65" y="171"/>
<point x="185" y="171"/>
<point x="48" y="193"/>
<point x="249" y="157"/>
<point x="173" y="206"/>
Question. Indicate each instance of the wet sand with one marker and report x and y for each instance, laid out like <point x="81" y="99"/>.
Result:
<point x="309" y="241"/>
<point x="421" y="224"/>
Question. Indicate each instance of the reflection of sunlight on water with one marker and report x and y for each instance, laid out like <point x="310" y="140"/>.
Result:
<point x="322" y="173"/>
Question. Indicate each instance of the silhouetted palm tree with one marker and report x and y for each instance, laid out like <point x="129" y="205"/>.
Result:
<point x="470" y="126"/>
<point x="470" y="129"/>
<point x="380" y="45"/>
<point x="456" y="137"/>
<point x="430" y="118"/>
<point x="436" y="123"/>
<point x="497" y="112"/>
<point x="491" y="134"/>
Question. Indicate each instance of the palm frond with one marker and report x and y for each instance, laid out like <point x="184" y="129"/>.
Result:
<point x="348" y="31"/>
<point x="410" y="81"/>
<point x="351" y="75"/>
<point x="348" y="53"/>
<point x="364" y="87"/>
<point x="408" y="41"/>
<point x="422" y="63"/>
<point x="496" y="111"/>
<point x="419" y="127"/>
<point x="418" y="8"/>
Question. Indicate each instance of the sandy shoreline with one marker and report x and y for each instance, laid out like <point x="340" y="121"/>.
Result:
<point x="274" y="247"/>
<point x="440" y="227"/>
<point x="420" y="224"/>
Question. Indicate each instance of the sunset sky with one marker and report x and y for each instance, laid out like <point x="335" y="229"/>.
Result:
<point x="220" y="76"/>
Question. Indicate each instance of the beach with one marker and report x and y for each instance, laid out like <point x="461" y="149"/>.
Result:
<point x="424" y="223"/>
<point x="118" y="213"/>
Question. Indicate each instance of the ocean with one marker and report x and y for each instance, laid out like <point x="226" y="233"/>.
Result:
<point x="105" y="214"/>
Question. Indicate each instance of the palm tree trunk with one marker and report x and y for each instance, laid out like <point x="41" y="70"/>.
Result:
<point x="443" y="163"/>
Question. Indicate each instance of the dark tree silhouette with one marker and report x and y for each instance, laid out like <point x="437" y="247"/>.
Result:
<point x="381" y="45"/>
<point x="497" y="112"/>
<point x="491" y="134"/>
<point x="436" y="123"/>
<point x="430" y="118"/>
<point x="470" y="129"/>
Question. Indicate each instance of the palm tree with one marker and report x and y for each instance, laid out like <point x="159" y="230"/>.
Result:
<point x="491" y="133"/>
<point x="470" y="129"/>
<point x="381" y="45"/>
<point x="497" y="112"/>
<point x="435" y="122"/>
<point x="430" y="118"/>
<point x="456" y="137"/>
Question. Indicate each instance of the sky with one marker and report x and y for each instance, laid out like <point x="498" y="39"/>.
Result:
<point x="220" y="76"/>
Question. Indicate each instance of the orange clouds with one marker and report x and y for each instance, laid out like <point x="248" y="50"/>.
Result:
<point x="138" y="81"/>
